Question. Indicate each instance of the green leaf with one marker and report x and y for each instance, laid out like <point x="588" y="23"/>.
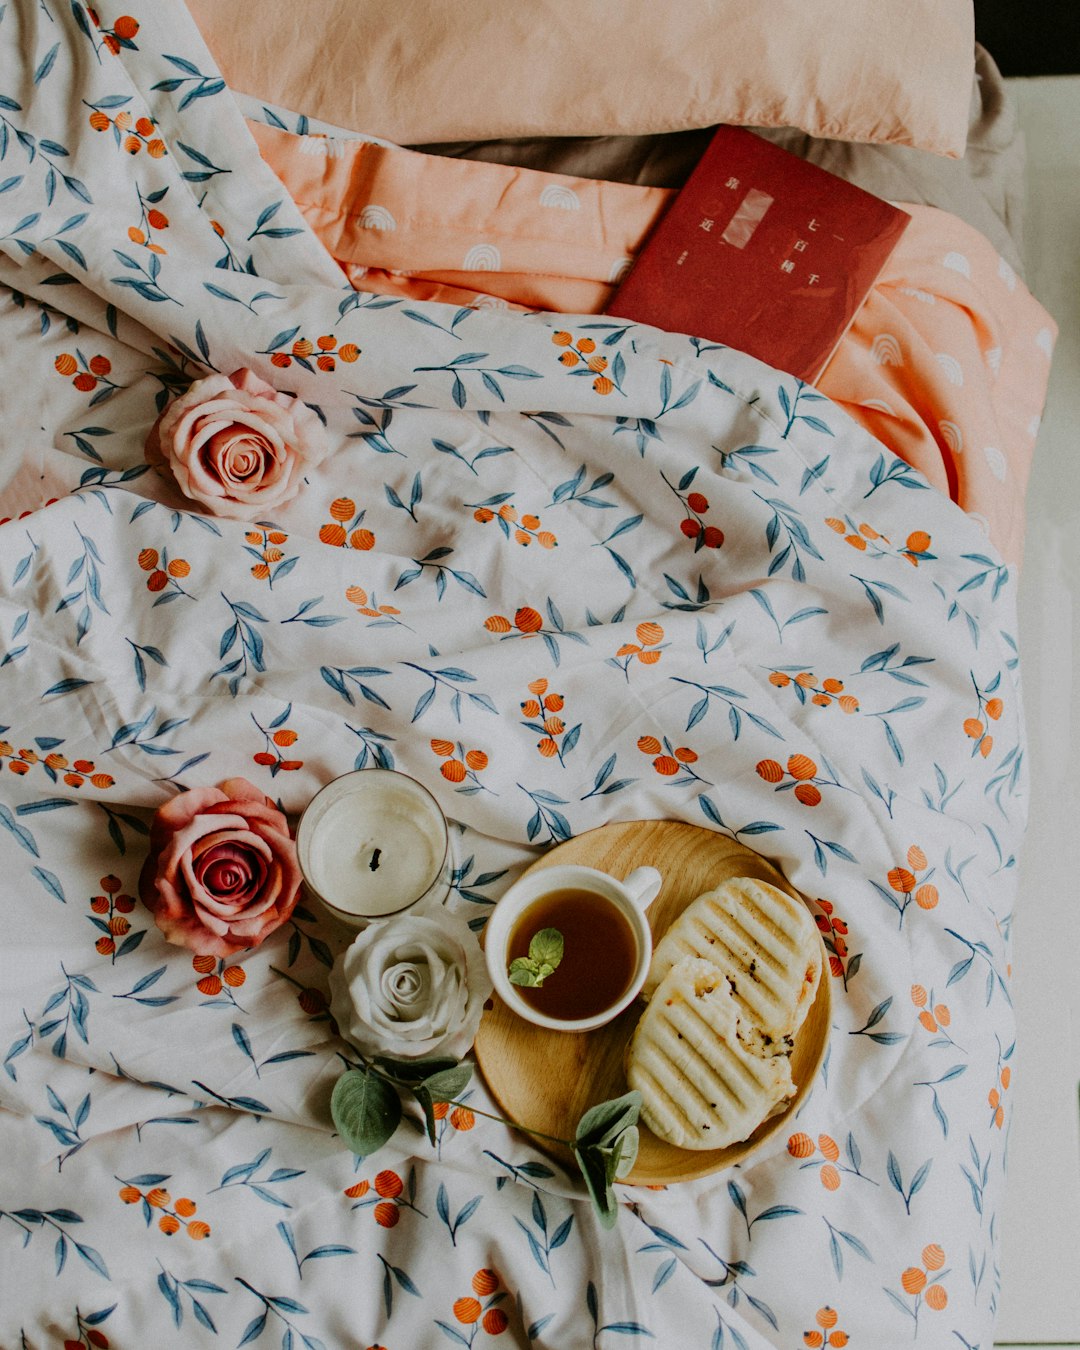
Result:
<point x="593" y="1170"/>
<point x="413" y="1071"/>
<point x="524" y="972"/>
<point x="447" y="1084"/>
<point x="366" y="1110"/>
<point x="546" y="947"/>
<point x="601" y="1124"/>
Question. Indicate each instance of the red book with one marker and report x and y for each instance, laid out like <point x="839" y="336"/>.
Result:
<point x="764" y="252"/>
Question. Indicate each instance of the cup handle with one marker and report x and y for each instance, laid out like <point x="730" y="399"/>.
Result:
<point x="643" y="886"/>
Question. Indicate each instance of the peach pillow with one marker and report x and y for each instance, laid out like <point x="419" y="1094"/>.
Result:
<point x="428" y="71"/>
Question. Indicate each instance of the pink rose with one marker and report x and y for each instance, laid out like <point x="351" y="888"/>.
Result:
<point x="236" y="445"/>
<point x="222" y="873"/>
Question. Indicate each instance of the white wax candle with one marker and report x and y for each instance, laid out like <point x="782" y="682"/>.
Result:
<point x="371" y="843"/>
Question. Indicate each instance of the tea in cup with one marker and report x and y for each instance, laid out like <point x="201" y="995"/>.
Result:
<point x="568" y="947"/>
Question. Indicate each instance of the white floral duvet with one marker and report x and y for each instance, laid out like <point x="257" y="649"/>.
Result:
<point x="563" y="572"/>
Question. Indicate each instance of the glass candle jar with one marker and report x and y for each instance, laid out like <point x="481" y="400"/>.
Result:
<point x="372" y="844"/>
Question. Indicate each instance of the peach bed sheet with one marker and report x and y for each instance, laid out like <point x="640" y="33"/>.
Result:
<point x="946" y="363"/>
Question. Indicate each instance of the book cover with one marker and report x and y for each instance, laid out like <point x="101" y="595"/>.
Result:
<point x="762" y="251"/>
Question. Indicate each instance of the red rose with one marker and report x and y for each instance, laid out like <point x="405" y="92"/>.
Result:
<point x="222" y="872"/>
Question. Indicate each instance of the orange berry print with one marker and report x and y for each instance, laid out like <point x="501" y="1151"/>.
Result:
<point x="838" y="1338"/>
<point x="130" y="1194"/>
<point x="834" y="524"/>
<point x="349" y="353"/>
<point x="155" y="149"/>
<point x="666" y="765"/>
<point x="178" y="567"/>
<point x="916" y="858"/>
<point x="462" y="1118"/>
<point x="826" y="1317"/>
<point x="926" y="897"/>
<point x="770" y="770"/>
<point x="800" y="1146"/>
<point x="1006" y="1077"/>
<point x="157" y="1198"/>
<point x="685" y="755"/>
<point x="779" y="679"/>
<point x="442" y="748"/>
<point x="453" y="770"/>
<point x="485" y="1282"/>
<point x="999" y="1117"/>
<point x="495" y="1321"/>
<point x="476" y="760"/>
<point x="527" y="620"/>
<point x="169" y="1224"/>
<point x="467" y="1310"/>
<point x="198" y="1230"/>
<point x="84" y="382"/>
<point x="830" y="1177"/>
<point x="209" y="985"/>
<point x="562" y="338"/>
<point x="204" y="964"/>
<point x="144" y="126"/>
<point x="900" y="879"/>
<point x="148" y="559"/>
<point x="440" y="1110"/>
<point x="569" y="358"/>
<point x="801" y="766"/>
<point x="918" y="541"/>
<point x="386" y="1214"/>
<point x="973" y="728"/>
<point x="649" y="634"/>
<point x="933" y="1256"/>
<point x="648" y="745"/>
<point x="602" y="385"/>
<point x="808" y="794"/>
<point x="813" y="1339"/>
<point x="126" y="27"/>
<point x="829" y="1147"/>
<point x="334" y="535"/>
<point x="99" y="904"/>
<point x="497" y="624"/>
<point x="99" y="121"/>
<point x="848" y="703"/>
<point x="538" y="687"/>
<point x="913" y="1280"/>
<point x="356" y="1191"/>
<point x="936" y="1297"/>
<point x="389" y="1185"/>
<point x="157" y="580"/>
<point x="185" y="1208"/>
<point x="927" y="1021"/>
<point x="986" y="745"/>
<point x="362" y="539"/>
<point x="994" y="709"/>
<point x="918" y="995"/>
<point x="105" y="946"/>
<point x="856" y="541"/>
<point x="234" y="976"/>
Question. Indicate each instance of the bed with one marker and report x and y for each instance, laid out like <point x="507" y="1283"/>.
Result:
<point x="478" y="527"/>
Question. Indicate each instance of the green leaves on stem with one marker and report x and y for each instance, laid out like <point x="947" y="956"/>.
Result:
<point x="605" y="1147"/>
<point x="366" y="1107"/>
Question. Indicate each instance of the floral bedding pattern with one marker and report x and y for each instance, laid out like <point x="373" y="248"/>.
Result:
<point x="563" y="571"/>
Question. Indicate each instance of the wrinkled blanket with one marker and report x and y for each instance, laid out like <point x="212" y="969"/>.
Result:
<point x="683" y="546"/>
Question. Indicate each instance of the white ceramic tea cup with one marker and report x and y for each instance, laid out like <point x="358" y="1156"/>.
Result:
<point x="631" y="897"/>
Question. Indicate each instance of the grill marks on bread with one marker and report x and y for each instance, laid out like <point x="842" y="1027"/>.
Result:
<point x="729" y="986"/>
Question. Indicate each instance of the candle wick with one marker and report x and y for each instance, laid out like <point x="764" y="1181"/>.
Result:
<point x="374" y="863"/>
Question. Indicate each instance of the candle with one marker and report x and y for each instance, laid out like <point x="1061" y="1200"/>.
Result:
<point x="372" y="844"/>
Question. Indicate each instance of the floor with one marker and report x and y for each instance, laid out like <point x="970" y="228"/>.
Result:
<point x="1040" y="1300"/>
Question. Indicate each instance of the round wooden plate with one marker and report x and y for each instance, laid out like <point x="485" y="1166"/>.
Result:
<point x="548" y="1079"/>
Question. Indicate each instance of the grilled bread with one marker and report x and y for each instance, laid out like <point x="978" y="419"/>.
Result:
<point x="705" y="1082"/>
<point x="765" y="943"/>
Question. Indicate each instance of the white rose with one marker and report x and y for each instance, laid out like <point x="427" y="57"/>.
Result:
<point x="411" y="988"/>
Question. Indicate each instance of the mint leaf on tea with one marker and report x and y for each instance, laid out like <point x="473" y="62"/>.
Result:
<point x="545" y="953"/>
